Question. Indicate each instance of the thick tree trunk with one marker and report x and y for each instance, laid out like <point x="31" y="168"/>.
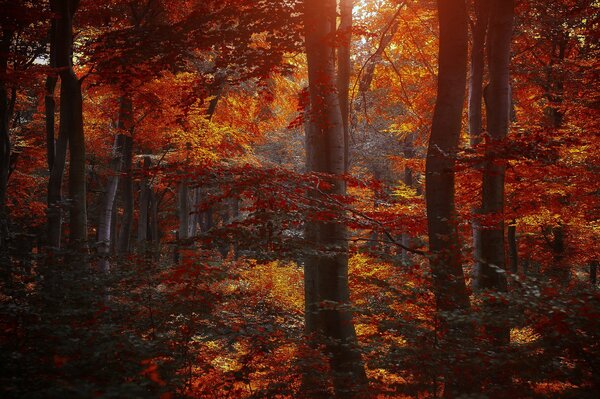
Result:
<point x="327" y="272"/>
<point x="5" y="149"/>
<point x="478" y="34"/>
<point x="123" y="245"/>
<point x="71" y="126"/>
<point x="446" y="263"/>
<point x="492" y="276"/>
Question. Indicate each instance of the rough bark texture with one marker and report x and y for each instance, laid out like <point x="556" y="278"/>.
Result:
<point x="446" y="263"/>
<point x="326" y="273"/>
<point x="492" y="276"/>
<point x="478" y="34"/>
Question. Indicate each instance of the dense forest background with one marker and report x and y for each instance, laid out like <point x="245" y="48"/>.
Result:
<point x="299" y="199"/>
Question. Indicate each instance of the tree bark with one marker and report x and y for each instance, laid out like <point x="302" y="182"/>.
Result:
<point x="49" y="102"/>
<point x="492" y="276"/>
<point x="5" y="147"/>
<point x="513" y="252"/>
<point x="409" y="180"/>
<point x="105" y="218"/>
<point x="105" y="237"/>
<point x="183" y="210"/>
<point x="142" y="231"/>
<point x="478" y="34"/>
<point x="123" y="245"/>
<point x="327" y="271"/>
<point x="445" y="259"/>
<point x="344" y="71"/>
<point x="71" y="122"/>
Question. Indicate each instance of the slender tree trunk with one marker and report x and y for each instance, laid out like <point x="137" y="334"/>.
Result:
<point x="183" y="213"/>
<point x="492" y="276"/>
<point x="49" y="102"/>
<point x="123" y="245"/>
<point x="344" y="71"/>
<point x="559" y="272"/>
<point x="142" y="230"/>
<point x="105" y="230"/>
<point x="327" y="272"/>
<point x="409" y="180"/>
<point x="446" y="263"/>
<point x="71" y="108"/>
<point x="56" y="150"/>
<point x="55" y="205"/>
<point x="513" y="252"/>
<point x="593" y="272"/>
<point x="153" y="225"/>
<point x="5" y="148"/>
<point x="183" y="210"/>
<point x="105" y="219"/>
<point x="478" y="34"/>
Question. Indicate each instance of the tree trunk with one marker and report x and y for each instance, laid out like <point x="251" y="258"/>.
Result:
<point x="5" y="150"/>
<point x="409" y="180"/>
<point x="327" y="272"/>
<point x="123" y="245"/>
<point x="492" y="276"/>
<point x="153" y="226"/>
<point x="478" y="34"/>
<point x="142" y="231"/>
<point x="71" y="121"/>
<point x="106" y="237"/>
<point x="344" y="71"/>
<point x="513" y="249"/>
<point x="183" y="210"/>
<point x="49" y="102"/>
<point x="593" y="272"/>
<point x="446" y="264"/>
<point x="105" y="228"/>
<point x="183" y="213"/>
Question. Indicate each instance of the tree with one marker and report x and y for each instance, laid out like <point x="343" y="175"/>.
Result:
<point x="327" y="295"/>
<point x="479" y="31"/>
<point x="71" y="132"/>
<point x="451" y="294"/>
